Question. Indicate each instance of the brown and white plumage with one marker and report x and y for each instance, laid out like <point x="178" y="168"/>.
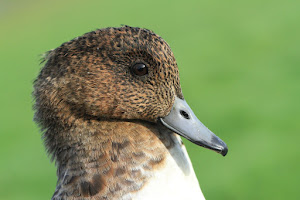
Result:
<point x="101" y="122"/>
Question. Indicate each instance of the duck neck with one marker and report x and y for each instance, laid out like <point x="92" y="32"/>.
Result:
<point x="107" y="158"/>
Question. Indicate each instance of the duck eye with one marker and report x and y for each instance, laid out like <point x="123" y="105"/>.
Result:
<point x="139" y="69"/>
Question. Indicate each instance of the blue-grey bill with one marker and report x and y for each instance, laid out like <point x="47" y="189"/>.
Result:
<point x="184" y="122"/>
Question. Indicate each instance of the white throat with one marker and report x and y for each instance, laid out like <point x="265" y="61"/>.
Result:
<point x="176" y="180"/>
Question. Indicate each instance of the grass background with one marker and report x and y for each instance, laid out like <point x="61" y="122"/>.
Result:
<point x="240" y="72"/>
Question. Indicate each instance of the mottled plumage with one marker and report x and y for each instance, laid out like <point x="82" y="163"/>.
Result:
<point x="100" y="121"/>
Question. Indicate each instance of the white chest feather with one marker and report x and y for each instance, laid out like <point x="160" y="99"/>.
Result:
<point x="176" y="180"/>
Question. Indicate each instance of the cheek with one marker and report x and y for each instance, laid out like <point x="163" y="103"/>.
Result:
<point x="166" y="97"/>
<point x="99" y="96"/>
<point x="100" y="103"/>
<point x="138" y="102"/>
<point x="157" y="103"/>
<point x="128" y="100"/>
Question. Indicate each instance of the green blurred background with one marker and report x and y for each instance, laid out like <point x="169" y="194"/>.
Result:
<point x="239" y="63"/>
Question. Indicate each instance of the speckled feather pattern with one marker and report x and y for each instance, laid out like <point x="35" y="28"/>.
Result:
<point x="99" y="120"/>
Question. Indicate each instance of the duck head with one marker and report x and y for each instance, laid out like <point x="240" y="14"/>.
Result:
<point x="121" y="73"/>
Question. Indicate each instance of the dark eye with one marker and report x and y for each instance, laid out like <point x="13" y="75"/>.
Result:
<point x="139" y="69"/>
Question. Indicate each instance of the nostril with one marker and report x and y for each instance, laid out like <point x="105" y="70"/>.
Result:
<point x="184" y="114"/>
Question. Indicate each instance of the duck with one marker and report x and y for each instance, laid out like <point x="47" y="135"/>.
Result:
<point x="111" y="111"/>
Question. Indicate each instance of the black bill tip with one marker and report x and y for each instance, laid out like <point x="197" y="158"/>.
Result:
<point x="224" y="151"/>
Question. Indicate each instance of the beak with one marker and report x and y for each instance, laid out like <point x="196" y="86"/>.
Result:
<point x="184" y="122"/>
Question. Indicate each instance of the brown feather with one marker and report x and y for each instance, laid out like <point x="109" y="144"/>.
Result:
<point x="99" y="121"/>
